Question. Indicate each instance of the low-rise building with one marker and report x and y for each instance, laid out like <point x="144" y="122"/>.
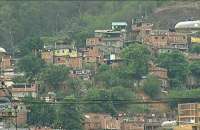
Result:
<point x="133" y="123"/>
<point x="68" y="52"/>
<point x="21" y="114"/>
<point x="189" y="113"/>
<point x="60" y="60"/>
<point x="74" y="62"/>
<point x="163" y="40"/>
<point x="157" y="39"/>
<point x="47" y="56"/>
<point x="118" y="26"/>
<point x="20" y="90"/>
<point x="178" y="41"/>
<point x="153" y="121"/>
<point x="97" y="121"/>
<point x="84" y="74"/>
<point x="141" y="29"/>
<point x="6" y="62"/>
<point x="92" y="55"/>
<point x="94" y="41"/>
<point x="112" y="42"/>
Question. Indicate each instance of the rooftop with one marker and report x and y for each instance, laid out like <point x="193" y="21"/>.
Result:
<point x="119" y="23"/>
<point x="2" y="50"/>
<point x="188" y="24"/>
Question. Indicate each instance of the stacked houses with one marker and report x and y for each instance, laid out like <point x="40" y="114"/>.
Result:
<point x="104" y="47"/>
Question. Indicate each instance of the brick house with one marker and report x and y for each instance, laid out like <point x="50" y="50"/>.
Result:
<point x="94" y="41"/>
<point x="178" y="40"/>
<point x="47" y="56"/>
<point x="74" y="62"/>
<point x="161" y="74"/>
<point x="23" y="89"/>
<point x="6" y="62"/>
<point x="112" y="42"/>
<point x="189" y="113"/>
<point x="60" y="60"/>
<point x="92" y="55"/>
<point x="165" y="41"/>
<point x="21" y="114"/>
<point x="157" y="39"/>
<point x="131" y="125"/>
<point x="141" y="29"/>
<point x="68" y="52"/>
<point x="96" y="121"/>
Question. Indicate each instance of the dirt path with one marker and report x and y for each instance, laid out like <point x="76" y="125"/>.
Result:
<point x="162" y="107"/>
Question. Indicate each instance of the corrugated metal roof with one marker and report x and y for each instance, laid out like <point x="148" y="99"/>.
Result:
<point x="188" y="24"/>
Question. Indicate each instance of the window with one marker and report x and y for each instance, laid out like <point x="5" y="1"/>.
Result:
<point x="183" y="37"/>
<point x="58" y="59"/>
<point x="70" y="50"/>
<point x="163" y="37"/>
<point x="156" y="38"/>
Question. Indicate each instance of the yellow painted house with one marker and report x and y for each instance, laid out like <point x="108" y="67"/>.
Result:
<point x="195" y="39"/>
<point x="66" y="52"/>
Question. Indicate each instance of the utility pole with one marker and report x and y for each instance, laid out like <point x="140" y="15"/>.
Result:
<point x="15" y="107"/>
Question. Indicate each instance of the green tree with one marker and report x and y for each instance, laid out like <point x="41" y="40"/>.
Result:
<point x="40" y="113"/>
<point x="31" y="45"/>
<point x="69" y="115"/>
<point x="184" y="95"/>
<point x="124" y="94"/>
<point x="54" y="75"/>
<point x="195" y="49"/>
<point x="77" y="86"/>
<point x="31" y="65"/>
<point x="177" y="67"/>
<point x="107" y="78"/>
<point x="136" y="57"/>
<point x="102" y="99"/>
<point x="195" y="69"/>
<point x="152" y="87"/>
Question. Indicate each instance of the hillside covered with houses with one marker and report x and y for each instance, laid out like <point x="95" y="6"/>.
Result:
<point x="130" y="75"/>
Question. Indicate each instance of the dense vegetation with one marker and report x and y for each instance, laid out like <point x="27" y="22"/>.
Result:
<point x="20" y="20"/>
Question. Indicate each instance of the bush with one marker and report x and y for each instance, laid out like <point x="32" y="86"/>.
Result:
<point x="152" y="87"/>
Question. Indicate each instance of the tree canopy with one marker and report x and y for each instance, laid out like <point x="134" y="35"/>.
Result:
<point x="54" y="75"/>
<point x="152" y="87"/>
<point x="31" y="65"/>
<point x="177" y="66"/>
<point x="136" y="57"/>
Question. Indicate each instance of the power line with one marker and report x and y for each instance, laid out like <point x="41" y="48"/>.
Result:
<point x="99" y="101"/>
